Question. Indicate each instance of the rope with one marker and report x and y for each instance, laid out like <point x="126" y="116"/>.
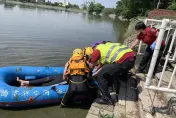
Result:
<point x="52" y="88"/>
<point x="153" y="111"/>
<point x="77" y="82"/>
<point x="102" y="91"/>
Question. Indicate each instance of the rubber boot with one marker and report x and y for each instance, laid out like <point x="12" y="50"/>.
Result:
<point x="113" y="95"/>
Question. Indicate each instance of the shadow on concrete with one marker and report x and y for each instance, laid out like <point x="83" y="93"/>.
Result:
<point x="128" y="89"/>
<point x="170" y="109"/>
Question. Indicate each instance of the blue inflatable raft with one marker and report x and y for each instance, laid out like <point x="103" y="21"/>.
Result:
<point x="16" y="96"/>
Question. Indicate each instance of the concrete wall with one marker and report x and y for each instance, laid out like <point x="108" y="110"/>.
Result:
<point x="161" y="12"/>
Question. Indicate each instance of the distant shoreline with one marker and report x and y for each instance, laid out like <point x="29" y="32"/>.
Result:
<point x="45" y="6"/>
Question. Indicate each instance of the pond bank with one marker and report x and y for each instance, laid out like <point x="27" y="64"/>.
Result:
<point x="39" y="5"/>
<point x="130" y="34"/>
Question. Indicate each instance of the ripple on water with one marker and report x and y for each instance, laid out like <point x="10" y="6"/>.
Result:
<point x="38" y="37"/>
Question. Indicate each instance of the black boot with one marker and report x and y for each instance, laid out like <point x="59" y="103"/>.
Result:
<point x="102" y="100"/>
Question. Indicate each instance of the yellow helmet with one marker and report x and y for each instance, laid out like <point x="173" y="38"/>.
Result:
<point x="77" y="52"/>
<point x="88" y="51"/>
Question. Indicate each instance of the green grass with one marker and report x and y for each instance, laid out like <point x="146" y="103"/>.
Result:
<point x="101" y="115"/>
<point x="166" y="17"/>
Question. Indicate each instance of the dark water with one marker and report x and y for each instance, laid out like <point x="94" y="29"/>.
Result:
<point x="40" y="37"/>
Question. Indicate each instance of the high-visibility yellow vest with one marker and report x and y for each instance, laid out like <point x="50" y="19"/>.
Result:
<point x="112" y="52"/>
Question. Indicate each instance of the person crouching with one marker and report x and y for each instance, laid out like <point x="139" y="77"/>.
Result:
<point x="76" y="72"/>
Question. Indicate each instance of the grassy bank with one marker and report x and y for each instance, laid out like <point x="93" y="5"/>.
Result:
<point x="131" y="34"/>
<point x="45" y="6"/>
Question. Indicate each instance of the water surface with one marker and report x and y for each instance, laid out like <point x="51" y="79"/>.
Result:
<point x="40" y="37"/>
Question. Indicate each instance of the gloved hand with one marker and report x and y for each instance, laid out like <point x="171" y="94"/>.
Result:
<point x="94" y="72"/>
<point x="153" y="45"/>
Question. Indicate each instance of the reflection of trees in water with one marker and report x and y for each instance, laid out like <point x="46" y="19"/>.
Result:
<point x="41" y="9"/>
<point x="118" y="26"/>
<point x="94" y="19"/>
<point x="23" y="7"/>
<point x="121" y="27"/>
<point x="84" y="16"/>
<point x="9" y="6"/>
<point x="71" y="12"/>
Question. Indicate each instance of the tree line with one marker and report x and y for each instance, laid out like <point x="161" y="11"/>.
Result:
<point x="91" y="7"/>
<point x="59" y="4"/>
<point x="133" y="8"/>
<point x="126" y="8"/>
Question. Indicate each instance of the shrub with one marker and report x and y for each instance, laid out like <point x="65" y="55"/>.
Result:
<point x="95" y="7"/>
<point x="98" y="8"/>
<point x="108" y="11"/>
<point x="172" y="6"/>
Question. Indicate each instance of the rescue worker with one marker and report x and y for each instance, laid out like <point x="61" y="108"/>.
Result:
<point x="76" y="72"/>
<point x="116" y="59"/>
<point x="87" y="52"/>
<point x="147" y="35"/>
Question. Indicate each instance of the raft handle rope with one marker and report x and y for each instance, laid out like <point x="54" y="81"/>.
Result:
<point x="53" y="87"/>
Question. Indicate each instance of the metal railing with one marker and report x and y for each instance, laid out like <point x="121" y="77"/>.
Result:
<point x="155" y="24"/>
<point x="165" y="31"/>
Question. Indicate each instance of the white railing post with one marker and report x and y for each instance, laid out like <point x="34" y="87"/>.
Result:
<point x="173" y="23"/>
<point x="167" y="37"/>
<point x="156" y="51"/>
<point x="172" y="77"/>
<point x="174" y="57"/>
<point x="167" y="58"/>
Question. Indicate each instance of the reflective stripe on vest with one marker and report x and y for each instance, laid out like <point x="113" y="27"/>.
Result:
<point x="109" y="52"/>
<point x="112" y="52"/>
<point x="116" y="54"/>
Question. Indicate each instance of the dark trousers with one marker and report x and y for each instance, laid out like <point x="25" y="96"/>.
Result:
<point x="47" y="80"/>
<point x="110" y="73"/>
<point x="75" y="89"/>
<point x="147" y="58"/>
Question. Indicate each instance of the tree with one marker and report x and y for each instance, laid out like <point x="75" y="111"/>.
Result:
<point x="75" y="6"/>
<point x="164" y="4"/>
<point x="91" y="7"/>
<point x="133" y="8"/>
<point x="98" y="8"/>
<point x="108" y="11"/>
<point x="95" y="7"/>
<point x="84" y="6"/>
<point x="60" y="4"/>
<point x="72" y="6"/>
<point x="172" y="6"/>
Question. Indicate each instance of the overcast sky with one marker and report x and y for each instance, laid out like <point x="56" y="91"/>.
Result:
<point x="106" y="3"/>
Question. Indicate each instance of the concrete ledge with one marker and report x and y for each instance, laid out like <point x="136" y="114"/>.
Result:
<point x="145" y="102"/>
<point x="169" y="98"/>
<point x="127" y="106"/>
